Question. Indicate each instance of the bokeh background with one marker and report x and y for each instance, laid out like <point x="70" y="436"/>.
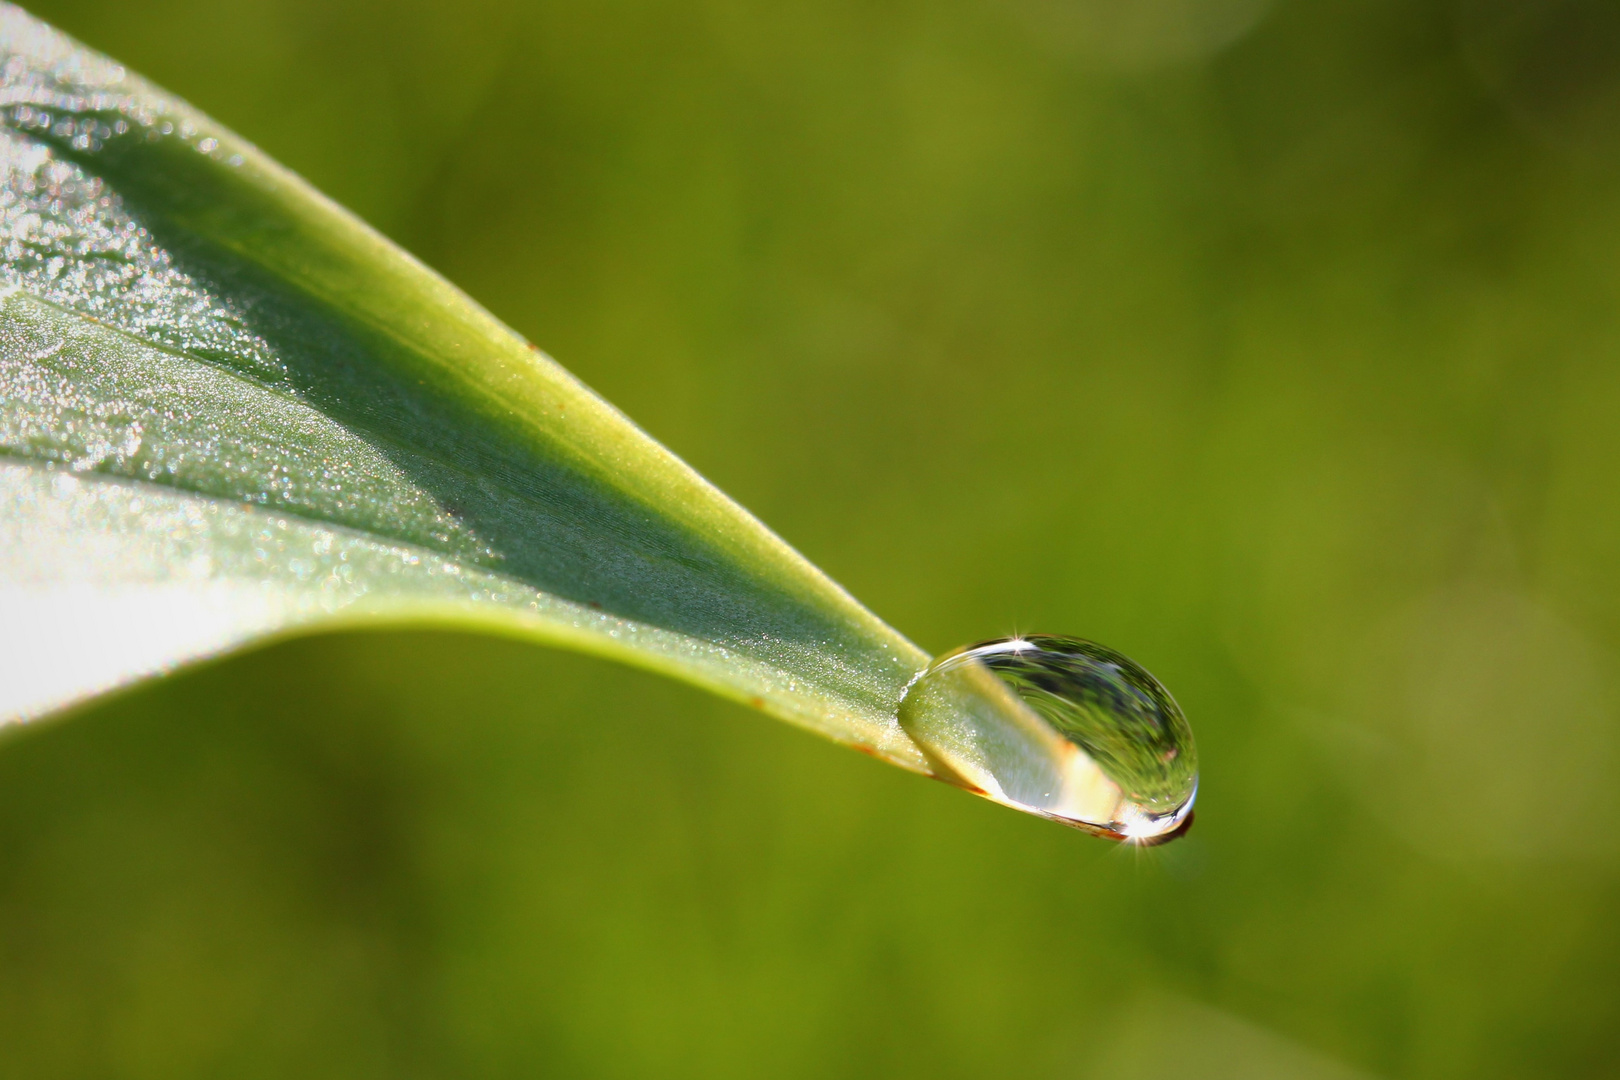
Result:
<point x="1274" y="343"/>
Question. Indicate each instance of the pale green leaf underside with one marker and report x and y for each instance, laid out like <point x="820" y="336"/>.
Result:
<point x="229" y="410"/>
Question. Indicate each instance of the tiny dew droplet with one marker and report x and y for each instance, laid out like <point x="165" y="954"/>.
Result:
<point x="1061" y="727"/>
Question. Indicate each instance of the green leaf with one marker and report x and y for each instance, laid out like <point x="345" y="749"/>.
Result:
<point x="230" y="410"/>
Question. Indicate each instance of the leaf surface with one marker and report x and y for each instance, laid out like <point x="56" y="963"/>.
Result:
<point x="230" y="410"/>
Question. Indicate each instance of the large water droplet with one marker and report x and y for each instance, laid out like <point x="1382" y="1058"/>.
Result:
<point x="1061" y="727"/>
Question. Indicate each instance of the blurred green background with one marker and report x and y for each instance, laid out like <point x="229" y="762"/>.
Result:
<point x="1272" y="343"/>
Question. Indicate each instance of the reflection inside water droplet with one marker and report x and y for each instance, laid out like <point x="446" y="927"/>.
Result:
<point x="1060" y="727"/>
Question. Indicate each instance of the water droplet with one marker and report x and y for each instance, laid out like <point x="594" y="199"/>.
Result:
<point x="1060" y="727"/>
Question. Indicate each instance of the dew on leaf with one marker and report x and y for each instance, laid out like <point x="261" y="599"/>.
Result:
<point x="1061" y="727"/>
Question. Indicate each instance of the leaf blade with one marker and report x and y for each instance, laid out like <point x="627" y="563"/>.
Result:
<point x="190" y="327"/>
